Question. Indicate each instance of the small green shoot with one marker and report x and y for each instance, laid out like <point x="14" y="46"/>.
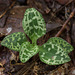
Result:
<point x="53" y="52"/>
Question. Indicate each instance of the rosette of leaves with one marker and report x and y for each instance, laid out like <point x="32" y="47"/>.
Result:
<point x="53" y="52"/>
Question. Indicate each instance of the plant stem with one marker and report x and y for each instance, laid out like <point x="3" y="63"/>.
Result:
<point x="65" y="24"/>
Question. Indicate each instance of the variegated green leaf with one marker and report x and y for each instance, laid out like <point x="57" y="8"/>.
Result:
<point x="27" y="51"/>
<point x="55" y="51"/>
<point x="33" y="24"/>
<point x="14" y="41"/>
<point x="62" y="43"/>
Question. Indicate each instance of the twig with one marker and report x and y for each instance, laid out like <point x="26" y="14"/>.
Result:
<point x="68" y="38"/>
<point x="17" y="64"/>
<point x="65" y="24"/>
<point x="7" y="9"/>
<point x="9" y="73"/>
<point x="59" y="10"/>
<point x="63" y="6"/>
<point x="26" y="68"/>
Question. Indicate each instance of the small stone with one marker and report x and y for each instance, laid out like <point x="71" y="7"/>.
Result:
<point x="9" y="29"/>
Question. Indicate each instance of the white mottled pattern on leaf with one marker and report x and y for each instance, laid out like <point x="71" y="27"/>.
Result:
<point x="33" y="24"/>
<point x="14" y="41"/>
<point x="55" y="51"/>
<point x="27" y="51"/>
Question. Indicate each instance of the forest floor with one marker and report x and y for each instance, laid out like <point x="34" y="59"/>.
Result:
<point x="59" y="16"/>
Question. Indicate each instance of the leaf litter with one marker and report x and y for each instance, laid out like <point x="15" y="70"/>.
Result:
<point x="9" y="60"/>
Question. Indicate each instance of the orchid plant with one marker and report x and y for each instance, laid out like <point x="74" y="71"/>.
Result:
<point x="54" y="52"/>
